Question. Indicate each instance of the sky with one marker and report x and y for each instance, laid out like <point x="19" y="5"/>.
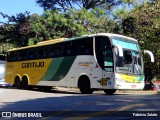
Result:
<point x="13" y="7"/>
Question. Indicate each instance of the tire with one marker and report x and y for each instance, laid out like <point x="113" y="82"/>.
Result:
<point x="109" y="91"/>
<point x="84" y="86"/>
<point x="46" y="88"/>
<point x="17" y="83"/>
<point x="25" y="83"/>
<point x="30" y="87"/>
<point x="40" y="88"/>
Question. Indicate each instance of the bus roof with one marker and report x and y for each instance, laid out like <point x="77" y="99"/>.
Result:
<point x="102" y="34"/>
<point x="53" y="41"/>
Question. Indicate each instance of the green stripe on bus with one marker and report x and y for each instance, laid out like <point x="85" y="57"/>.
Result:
<point x="52" y="69"/>
<point x="58" y="68"/>
<point x="63" y="68"/>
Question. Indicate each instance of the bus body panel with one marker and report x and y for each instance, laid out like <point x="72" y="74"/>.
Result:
<point x="34" y="69"/>
<point x="83" y="65"/>
<point x="108" y="80"/>
<point x="86" y="65"/>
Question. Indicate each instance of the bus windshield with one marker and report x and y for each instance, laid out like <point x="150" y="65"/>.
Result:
<point x="131" y="62"/>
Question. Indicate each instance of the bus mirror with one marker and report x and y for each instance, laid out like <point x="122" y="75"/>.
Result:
<point x="120" y="50"/>
<point x="150" y="54"/>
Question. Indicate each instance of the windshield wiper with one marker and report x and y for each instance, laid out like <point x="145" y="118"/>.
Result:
<point x="135" y="63"/>
<point x="138" y="69"/>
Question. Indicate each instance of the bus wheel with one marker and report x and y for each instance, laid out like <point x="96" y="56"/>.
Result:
<point x="47" y="88"/>
<point x="24" y="82"/>
<point x="30" y="87"/>
<point x="109" y="91"/>
<point x="17" y="82"/>
<point x="84" y="85"/>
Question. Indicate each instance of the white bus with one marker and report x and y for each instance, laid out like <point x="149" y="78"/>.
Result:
<point x="102" y="61"/>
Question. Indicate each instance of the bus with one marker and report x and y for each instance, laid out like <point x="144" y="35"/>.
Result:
<point x="101" y="61"/>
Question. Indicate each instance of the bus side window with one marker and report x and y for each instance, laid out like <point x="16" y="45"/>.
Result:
<point x="16" y="56"/>
<point x="55" y="50"/>
<point x="69" y="48"/>
<point x="9" y="58"/>
<point x="22" y="55"/>
<point x="85" y="46"/>
<point x="32" y="54"/>
<point x="43" y="52"/>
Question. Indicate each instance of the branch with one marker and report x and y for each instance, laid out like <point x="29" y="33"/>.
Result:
<point x="61" y="3"/>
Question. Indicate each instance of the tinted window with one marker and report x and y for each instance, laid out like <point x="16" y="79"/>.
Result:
<point x="55" y="50"/>
<point x="69" y="48"/>
<point x="9" y="56"/>
<point x="104" y="53"/>
<point x="43" y="52"/>
<point x="85" y="46"/>
<point x="76" y="47"/>
<point x="22" y="55"/>
<point x="32" y="54"/>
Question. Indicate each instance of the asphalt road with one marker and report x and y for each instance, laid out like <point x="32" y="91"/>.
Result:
<point x="69" y="104"/>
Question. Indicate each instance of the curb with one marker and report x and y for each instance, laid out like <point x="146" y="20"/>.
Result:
<point x="139" y="91"/>
<point x="118" y="91"/>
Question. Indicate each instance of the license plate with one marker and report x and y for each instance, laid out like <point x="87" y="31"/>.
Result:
<point x="133" y="86"/>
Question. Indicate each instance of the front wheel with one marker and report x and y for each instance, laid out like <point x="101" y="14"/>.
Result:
<point x="84" y="86"/>
<point x="109" y="91"/>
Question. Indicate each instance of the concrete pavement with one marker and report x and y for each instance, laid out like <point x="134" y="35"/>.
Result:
<point x="117" y="92"/>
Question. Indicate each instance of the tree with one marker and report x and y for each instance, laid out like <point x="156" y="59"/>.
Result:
<point x="16" y="30"/>
<point x="53" y="24"/>
<point x="65" y="5"/>
<point x="143" y="23"/>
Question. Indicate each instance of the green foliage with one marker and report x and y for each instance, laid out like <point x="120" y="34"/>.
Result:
<point x="143" y="23"/>
<point x="53" y="24"/>
<point x="17" y="30"/>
